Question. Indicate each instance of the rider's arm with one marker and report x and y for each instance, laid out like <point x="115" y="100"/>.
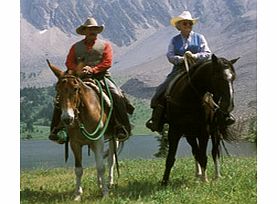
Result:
<point x="172" y="58"/>
<point x="205" y="52"/>
<point x="71" y="62"/>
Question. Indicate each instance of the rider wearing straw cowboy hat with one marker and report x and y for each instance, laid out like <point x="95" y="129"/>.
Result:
<point x="187" y="43"/>
<point x="96" y="57"/>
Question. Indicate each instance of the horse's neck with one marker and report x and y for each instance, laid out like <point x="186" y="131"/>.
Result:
<point x="201" y="78"/>
<point x="191" y="87"/>
<point x="90" y="102"/>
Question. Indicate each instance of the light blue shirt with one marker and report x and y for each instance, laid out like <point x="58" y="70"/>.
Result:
<point x="196" y="43"/>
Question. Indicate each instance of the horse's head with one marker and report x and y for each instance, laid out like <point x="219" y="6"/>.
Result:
<point x="223" y="75"/>
<point x="68" y="88"/>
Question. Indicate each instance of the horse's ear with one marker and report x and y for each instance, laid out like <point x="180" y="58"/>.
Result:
<point x="233" y="61"/>
<point x="57" y="71"/>
<point x="214" y="58"/>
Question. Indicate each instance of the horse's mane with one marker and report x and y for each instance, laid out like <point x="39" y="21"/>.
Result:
<point x="195" y="67"/>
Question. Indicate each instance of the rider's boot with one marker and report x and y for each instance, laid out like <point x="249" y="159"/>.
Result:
<point x="155" y="123"/>
<point x="129" y="107"/>
<point x="122" y="133"/>
<point x="230" y="119"/>
<point x="56" y="127"/>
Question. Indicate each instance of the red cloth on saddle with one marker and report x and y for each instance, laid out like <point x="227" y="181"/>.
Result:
<point x="106" y="63"/>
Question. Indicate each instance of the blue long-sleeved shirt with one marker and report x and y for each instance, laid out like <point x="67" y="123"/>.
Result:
<point x="196" y="43"/>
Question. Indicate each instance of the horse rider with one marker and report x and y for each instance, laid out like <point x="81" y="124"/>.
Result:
<point x="96" y="56"/>
<point x="187" y="44"/>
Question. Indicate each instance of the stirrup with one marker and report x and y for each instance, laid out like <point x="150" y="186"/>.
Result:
<point x="58" y="136"/>
<point x="151" y="125"/>
<point x="121" y="134"/>
<point x="230" y="120"/>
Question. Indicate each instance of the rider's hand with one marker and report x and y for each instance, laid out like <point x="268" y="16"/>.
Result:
<point x="86" y="70"/>
<point x="189" y="54"/>
<point x="179" y="59"/>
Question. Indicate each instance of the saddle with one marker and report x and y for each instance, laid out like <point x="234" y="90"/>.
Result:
<point x="92" y="84"/>
<point x="173" y="82"/>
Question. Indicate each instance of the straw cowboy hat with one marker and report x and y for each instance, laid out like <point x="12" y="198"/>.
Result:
<point x="90" y="22"/>
<point x="183" y="16"/>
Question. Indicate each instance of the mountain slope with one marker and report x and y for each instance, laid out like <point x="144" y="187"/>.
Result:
<point x="139" y="31"/>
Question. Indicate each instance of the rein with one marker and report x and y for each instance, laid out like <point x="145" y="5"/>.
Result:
<point x="189" y="79"/>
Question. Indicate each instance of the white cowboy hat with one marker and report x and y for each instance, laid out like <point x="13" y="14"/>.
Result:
<point x="183" y="16"/>
<point x="90" y="22"/>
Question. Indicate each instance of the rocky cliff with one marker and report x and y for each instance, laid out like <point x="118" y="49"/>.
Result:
<point x="139" y="31"/>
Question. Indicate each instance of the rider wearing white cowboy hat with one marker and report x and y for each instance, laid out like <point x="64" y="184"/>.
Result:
<point x="183" y="16"/>
<point x="194" y="50"/>
<point x="187" y="44"/>
<point x="194" y="46"/>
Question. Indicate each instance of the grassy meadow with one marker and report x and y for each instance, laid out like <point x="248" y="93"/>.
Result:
<point x="139" y="182"/>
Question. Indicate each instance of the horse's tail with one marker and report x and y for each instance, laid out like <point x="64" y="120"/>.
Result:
<point x="228" y="134"/>
<point x="119" y="150"/>
<point x="223" y="133"/>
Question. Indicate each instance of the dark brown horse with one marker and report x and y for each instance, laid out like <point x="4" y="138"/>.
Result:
<point x="186" y="115"/>
<point x="82" y="114"/>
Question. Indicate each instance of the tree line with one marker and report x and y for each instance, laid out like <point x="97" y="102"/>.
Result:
<point x="36" y="106"/>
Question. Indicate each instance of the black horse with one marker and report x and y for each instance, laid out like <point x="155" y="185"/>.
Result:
<point x="187" y="117"/>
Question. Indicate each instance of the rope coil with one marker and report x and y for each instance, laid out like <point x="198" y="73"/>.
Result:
<point x="99" y="130"/>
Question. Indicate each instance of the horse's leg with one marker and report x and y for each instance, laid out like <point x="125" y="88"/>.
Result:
<point x="77" y="151"/>
<point x="98" y="148"/>
<point x="173" y="140"/>
<point x="113" y="145"/>
<point x="195" y="152"/>
<point x="203" y="159"/>
<point x="198" y="170"/>
<point x="216" y="154"/>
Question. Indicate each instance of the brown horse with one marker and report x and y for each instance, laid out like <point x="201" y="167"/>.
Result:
<point x="81" y="112"/>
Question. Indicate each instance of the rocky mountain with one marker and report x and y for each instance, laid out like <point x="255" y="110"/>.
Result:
<point x="139" y="31"/>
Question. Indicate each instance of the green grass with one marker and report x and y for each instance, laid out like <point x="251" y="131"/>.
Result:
<point x="140" y="183"/>
<point x="39" y="132"/>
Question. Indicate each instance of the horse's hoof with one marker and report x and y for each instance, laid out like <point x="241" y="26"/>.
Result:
<point x="216" y="177"/>
<point x="112" y="185"/>
<point x="77" y="198"/>
<point x="164" y="183"/>
<point x="205" y="179"/>
<point x="105" y="193"/>
<point x="198" y="175"/>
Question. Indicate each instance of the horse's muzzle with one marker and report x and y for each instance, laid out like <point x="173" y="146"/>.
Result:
<point x="67" y="117"/>
<point x="68" y="121"/>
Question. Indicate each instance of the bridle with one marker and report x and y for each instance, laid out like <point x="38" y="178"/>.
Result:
<point x="64" y="79"/>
